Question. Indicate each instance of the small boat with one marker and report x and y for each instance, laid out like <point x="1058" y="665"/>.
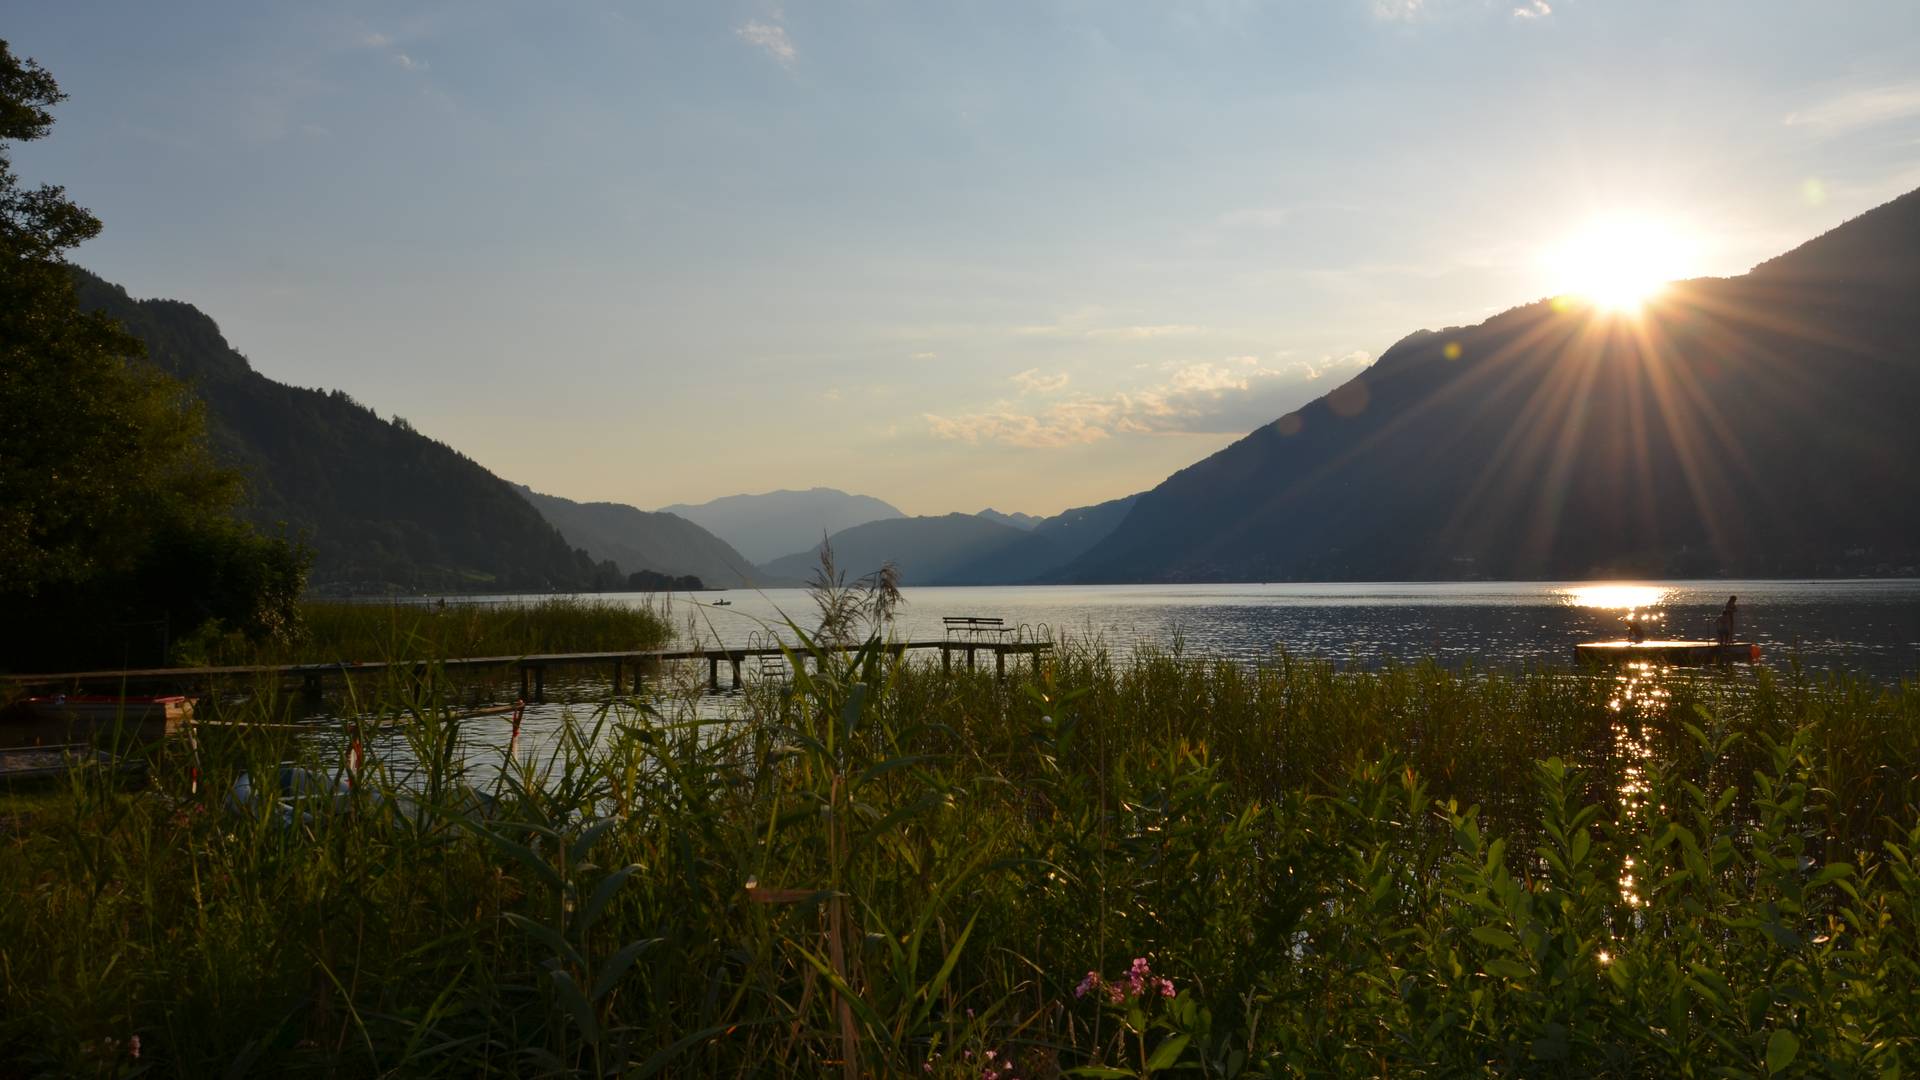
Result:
<point x="1673" y="653"/>
<point x="102" y="712"/>
<point x="722" y="603"/>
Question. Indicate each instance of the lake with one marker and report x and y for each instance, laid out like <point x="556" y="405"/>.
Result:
<point x="1870" y="626"/>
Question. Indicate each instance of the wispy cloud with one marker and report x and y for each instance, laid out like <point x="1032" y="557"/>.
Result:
<point x="1533" y="9"/>
<point x="1859" y="108"/>
<point x="1226" y="397"/>
<point x="770" y="38"/>
<point x="384" y="44"/>
<point x="1396" y="10"/>
<point x="1033" y="381"/>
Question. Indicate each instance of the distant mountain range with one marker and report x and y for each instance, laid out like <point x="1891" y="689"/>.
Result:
<point x="962" y="549"/>
<point x="383" y="507"/>
<point x="767" y="526"/>
<point x="638" y="540"/>
<point x="1016" y="519"/>
<point x="1763" y="425"/>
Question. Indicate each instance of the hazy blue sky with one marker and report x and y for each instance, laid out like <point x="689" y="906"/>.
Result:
<point x="952" y="254"/>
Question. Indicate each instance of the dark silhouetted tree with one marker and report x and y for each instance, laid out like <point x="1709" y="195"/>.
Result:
<point x="113" y="514"/>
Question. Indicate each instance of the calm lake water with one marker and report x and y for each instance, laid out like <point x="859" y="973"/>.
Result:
<point x="1869" y="626"/>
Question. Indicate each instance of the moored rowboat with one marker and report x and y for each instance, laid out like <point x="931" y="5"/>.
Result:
<point x="1674" y="653"/>
<point x="102" y="711"/>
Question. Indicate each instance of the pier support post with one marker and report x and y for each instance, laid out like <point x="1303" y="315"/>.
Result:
<point x="713" y="673"/>
<point x="946" y="660"/>
<point x="310" y="684"/>
<point x="735" y="660"/>
<point x="616" y="678"/>
<point x="970" y="651"/>
<point x="526" y="675"/>
<point x="1000" y="664"/>
<point x="540" y="685"/>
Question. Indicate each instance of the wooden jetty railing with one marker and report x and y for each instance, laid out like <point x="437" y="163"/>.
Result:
<point x="533" y="668"/>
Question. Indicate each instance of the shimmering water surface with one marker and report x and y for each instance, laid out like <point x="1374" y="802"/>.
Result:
<point x="1868" y="626"/>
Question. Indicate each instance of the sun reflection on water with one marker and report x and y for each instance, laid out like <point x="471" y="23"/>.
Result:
<point x="1640" y="695"/>
<point x="1625" y="597"/>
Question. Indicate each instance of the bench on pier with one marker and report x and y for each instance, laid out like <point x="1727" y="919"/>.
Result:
<point x="976" y="628"/>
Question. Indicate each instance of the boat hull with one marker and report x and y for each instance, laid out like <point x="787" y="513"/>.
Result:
<point x="89" y="714"/>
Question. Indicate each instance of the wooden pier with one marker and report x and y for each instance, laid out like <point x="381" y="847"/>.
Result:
<point x="533" y="668"/>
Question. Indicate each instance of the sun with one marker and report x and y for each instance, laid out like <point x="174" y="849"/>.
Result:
<point x="1619" y="262"/>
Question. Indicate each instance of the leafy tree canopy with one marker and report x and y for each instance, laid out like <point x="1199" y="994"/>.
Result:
<point x="113" y="514"/>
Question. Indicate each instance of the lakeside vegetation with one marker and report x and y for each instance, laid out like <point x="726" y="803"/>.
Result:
<point x="884" y="870"/>
<point x="331" y="631"/>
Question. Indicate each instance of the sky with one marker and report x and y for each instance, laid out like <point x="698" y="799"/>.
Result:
<point x="1028" y="255"/>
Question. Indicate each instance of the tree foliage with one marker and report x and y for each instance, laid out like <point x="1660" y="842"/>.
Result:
<point x="113" y="513"/>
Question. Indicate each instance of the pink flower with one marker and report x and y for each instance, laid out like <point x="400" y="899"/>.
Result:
<point x="1137" y="976"/>
<point x="133" y="1047"/>
<point x="1091" y="982"/>
<point x="1166" y="987"/>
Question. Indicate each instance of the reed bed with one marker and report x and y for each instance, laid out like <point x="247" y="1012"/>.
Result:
<point x="1117" y="869"/>
<point x="334" y="631"/>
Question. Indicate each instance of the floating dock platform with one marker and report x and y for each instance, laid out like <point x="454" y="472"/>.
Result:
<point x="1670" y="653"/>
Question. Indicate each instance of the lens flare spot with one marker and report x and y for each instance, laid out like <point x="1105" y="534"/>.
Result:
<point x="1452" y="351"/>
<point x="1814" y="190"/>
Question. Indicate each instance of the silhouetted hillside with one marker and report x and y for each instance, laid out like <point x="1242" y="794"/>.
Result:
<point x="768" y="526"/>
<point x="639" y="540"/>
<point x="383" y="507"/>
<point x="928" y="550"/>
<point x="964" y="549"/>
<point x="1763" y="425"/>
<point x="1075" y="531"/>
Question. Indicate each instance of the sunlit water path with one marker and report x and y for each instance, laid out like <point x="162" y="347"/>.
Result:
<point x="1872" y="627"/>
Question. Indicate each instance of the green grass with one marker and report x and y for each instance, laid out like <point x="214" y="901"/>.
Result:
<point x="1412" y="871"/>
<point x="337" y="631"/>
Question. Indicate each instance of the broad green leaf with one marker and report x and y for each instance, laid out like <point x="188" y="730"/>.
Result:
<point x="576" y="1004"/>
<point x="602" y="894"/>
<point x="1782" y="1047"/>
<point x="588" y="837"/>
<point x="548" y="936"/>
<point x="615" y="967"/>
<point x="1167" y="1053"/>
<point x="1496" y="937"/>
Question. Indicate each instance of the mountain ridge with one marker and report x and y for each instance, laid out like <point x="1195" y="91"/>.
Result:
<point x="1754" y="425"/>
<point x="384" y="508"/>
<point x="637" y="540"/>
<point x="772" y="524"/>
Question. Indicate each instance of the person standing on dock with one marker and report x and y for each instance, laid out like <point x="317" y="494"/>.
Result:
<point x="1724" y="629"/>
